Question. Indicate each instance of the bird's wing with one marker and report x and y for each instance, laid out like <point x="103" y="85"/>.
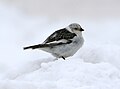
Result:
<point x="59" y="36"/>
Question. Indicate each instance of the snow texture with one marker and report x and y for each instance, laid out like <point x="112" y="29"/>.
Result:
<point x="95" y="66"/>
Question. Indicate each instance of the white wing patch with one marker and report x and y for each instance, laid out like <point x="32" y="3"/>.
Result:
<point x="60" y="41"/>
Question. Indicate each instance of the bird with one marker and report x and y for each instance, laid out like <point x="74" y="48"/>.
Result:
<point x="62" y="43"/>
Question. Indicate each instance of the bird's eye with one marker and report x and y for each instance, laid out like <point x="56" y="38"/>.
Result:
<point x="75" y="28"/>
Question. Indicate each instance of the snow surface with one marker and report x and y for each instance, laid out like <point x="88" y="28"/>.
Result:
<point x="95" y="66"/>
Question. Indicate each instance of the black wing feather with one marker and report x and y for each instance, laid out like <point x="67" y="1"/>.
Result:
<point x="60" y="34"/>
<point x="45" y="45"/>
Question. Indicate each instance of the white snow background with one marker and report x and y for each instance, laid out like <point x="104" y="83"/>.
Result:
<point x="95" y="66"/>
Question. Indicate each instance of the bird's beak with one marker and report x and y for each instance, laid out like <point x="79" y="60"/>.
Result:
<point x="81" y="29"/>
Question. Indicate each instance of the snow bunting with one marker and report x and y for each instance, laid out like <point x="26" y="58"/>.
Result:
<point x="62" y="43"/>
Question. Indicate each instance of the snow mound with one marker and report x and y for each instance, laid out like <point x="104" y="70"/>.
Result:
<point x="94" y="53"/>
<point x="67" y="74"/>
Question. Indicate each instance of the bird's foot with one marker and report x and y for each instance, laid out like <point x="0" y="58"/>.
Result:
<point x="63" y="57"/>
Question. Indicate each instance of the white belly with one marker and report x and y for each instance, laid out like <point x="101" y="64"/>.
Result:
<point x="66" y="50"/>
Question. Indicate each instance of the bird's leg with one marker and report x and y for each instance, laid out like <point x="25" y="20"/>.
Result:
<point x="63" y="57"/>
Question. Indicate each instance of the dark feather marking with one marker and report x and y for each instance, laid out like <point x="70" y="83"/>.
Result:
<point x="60" y="34"/>
<point x="46" y="45"/>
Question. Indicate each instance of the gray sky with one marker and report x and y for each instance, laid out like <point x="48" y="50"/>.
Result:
<point x="84" y="9"/>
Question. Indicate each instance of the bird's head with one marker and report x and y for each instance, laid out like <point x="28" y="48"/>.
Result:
<point x="75" y="28"/>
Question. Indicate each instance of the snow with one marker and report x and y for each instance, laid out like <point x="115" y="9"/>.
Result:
<point x="95" y="66"/>
<point x="70" y="74"/>
<point x="101" y="53"/>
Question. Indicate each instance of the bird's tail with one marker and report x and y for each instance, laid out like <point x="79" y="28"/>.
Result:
<point x="35" y="46"/>
<point x="43" y="45"/>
